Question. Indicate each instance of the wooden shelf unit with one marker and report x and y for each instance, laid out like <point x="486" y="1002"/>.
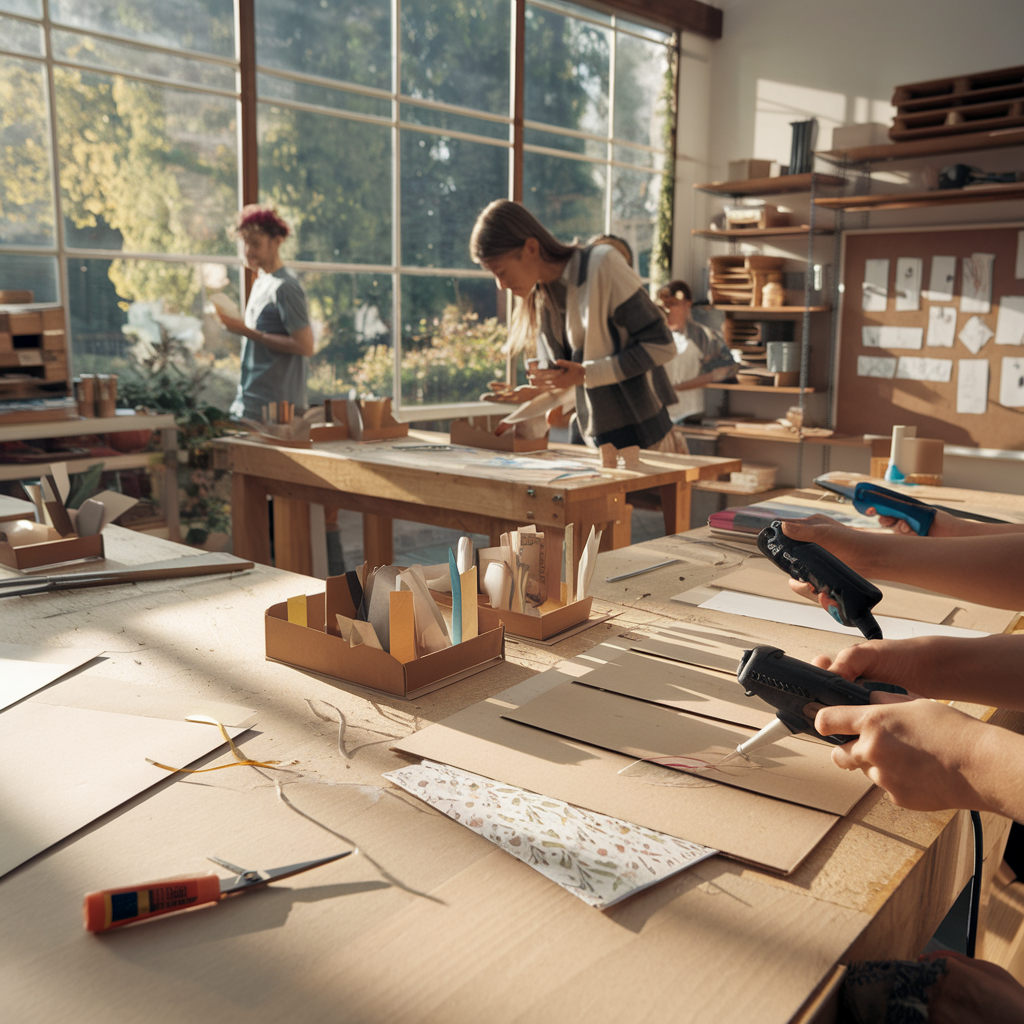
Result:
<point x="769" y="310"/>
<point x="1002" y="192"/>
<point x="731" y="234"/>
<point x="770" y="186"/>
<point x="966" y="143"/>
<point x="761" y="389"/>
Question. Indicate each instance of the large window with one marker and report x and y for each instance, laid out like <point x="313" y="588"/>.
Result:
<point x="382" y="128"/>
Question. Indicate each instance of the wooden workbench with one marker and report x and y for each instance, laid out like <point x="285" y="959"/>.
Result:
<point x="440" y="489"/>
<point x="430" y="923"/>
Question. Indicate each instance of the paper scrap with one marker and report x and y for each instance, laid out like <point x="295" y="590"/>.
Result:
<point x="588" y="562"/>
<point x="972" y="386"/>
<point x="470" y="609"/>
<point x="497" y="584"/>
<point x="940" y="371"/>
<point x="1010" y="324"/>
<point x="464" y="559"/>
<point x="943" y="276"/>
<point x="875" y="296"/>
<point x="26" y="668"/>
<point x="297" y="610"/>
<point x="1011" y="383"/>
<point x="814" y="616"/>
<point x="59" y="472"/>
<point x="887" y="336"/>
<point x="431" y="631"/>
<point x="976" y="283"/>
<point x="975" y="334"/>
<point x="941" y="326"/>
<point x="876" y="366"/>
<point x="401" y="631"/>
<point x="596" y="857"/>
<point x="909" y="270"/>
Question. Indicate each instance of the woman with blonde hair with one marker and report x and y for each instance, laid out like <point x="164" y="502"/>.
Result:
<point x="595" y="328"/>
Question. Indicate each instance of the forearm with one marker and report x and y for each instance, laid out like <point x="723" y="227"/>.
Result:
<point x="945" y="525"/>
<point x="993" y="770"/>
<point x="277" y="342"/>
<point x="721" y="373"/>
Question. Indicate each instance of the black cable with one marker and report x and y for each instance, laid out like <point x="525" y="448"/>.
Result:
<point x="979" y="857"/>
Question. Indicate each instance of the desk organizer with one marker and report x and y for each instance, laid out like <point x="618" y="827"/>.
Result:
<point x="478" y="432"/>
<point x="537" y="627"/>
<point x="51" y="552"/>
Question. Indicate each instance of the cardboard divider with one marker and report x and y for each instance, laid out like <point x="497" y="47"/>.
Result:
<point x="537" y="627"/>
<point x="51" y="552"/>
<point x="468" y="432"/>
<point x="311" y="647"/>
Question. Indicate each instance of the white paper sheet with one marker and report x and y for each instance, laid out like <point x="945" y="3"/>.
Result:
<point x="976" y="283"/>
<point x="1011" y="383"/>
<point x="1010" y="324"/>
<point x="876" y="286"/>
<point x="876" y="366"/>
<point x="101" y="763"/>
<point x="941" y="326"/>
<point x="943" y="276"/>
<point x="588" y="562"/>
<point x="975" y="334"/>
<point x="972" y="386"/>
<point x="909" y="270"/>
<point x="25" y="668"/>
<point x="939" y="371"/>
<point x="598" y="858"/>
<point x="887" y="336"/>
<point x="815" y="617"/>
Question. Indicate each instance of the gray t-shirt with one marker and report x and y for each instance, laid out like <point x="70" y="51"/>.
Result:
<point x="277" y="305"/>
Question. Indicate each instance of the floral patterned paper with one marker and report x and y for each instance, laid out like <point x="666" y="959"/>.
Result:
<point x="597" y="858"/>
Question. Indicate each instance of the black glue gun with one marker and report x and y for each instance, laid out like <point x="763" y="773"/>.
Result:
<point x="798" y="691"/>
<point x="850" y="596"/>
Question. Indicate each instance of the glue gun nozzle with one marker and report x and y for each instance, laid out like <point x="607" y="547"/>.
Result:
<point x="731" y="756"/>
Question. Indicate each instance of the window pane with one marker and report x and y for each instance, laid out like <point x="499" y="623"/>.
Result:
<point x="570" y="143"/>
<point x="30" y="8"/>
<point x="145" y="168"/>
<point x="330" y="178"/>
<point x="567" y="72"/>
<point x="120" y="57"/>
<point x="411" y="112"/>
<point x="451" y="339"/>
<point x="36" y="273"/>
<point x="352" y="317"/>
<point x="345" y="40"/>
<point x="457" y="53"/>
<point x="445" y="184"/>
<point x="21" y="37"/>
<point x="639" y="157"/>
<point x="112" y="305"/>
<point x="206" y="26"/>
<point x="658" y="35"/>
<point x="272" y="87"/>
<point x="580" y="11"/>
<point x="635" y="197"/>
<point x="26" y="188"/>
<point x="641" y="78"/>
<point x="566" y="195"/>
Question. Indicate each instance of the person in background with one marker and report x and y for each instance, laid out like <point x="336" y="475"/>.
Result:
<point x="594" y="327"/>
<point x="277" y="337"/>
<point x="702" y="357"/>
<point x="616" y="243"/>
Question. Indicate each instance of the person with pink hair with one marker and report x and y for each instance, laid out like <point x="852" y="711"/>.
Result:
<point x="277" y="337"/>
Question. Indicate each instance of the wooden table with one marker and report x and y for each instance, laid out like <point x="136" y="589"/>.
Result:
<point x="430" y="923"/>
<point x="376" y="480"/>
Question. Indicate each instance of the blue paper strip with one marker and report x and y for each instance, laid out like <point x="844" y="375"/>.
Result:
<point x="453" y="569"/>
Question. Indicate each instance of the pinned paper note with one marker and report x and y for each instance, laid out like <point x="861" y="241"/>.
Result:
<point x="887" y="336"/>
<point x="875" y="296"/>
<point x="975" y="334"/>
<point x="1011" y="383"/>
<point x="939" y="371"/>
<point x="876" y="366"/>
<point x="942" y="279"/>
<point x="941" y="326"/>
<point x="908" y="283"/>
<point x="400" y="626"/>
<point x="976" y="283"/>
<point x="972" y="386"/>
<point x="297" y="610"/>
<point x="1010" y="325"/>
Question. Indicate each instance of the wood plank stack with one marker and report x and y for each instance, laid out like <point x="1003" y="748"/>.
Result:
<point x="739" y="280"/>
<point x="987" y="101"/>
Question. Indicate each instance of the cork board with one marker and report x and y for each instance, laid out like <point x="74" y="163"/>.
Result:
<point x="874" y="404"/>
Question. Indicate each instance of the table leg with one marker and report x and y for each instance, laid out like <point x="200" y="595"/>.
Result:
<point x="292" y="549"/>
<point x="378" y="540"/>
<point x="619" y="532"/>
<point x="172" y="514"/>
<point x="675" y="506"/>
<point x="250" y="519"/>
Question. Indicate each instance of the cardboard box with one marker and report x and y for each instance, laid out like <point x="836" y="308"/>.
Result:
<point x="51" y="552"/>
<point x="54" y="341"/>
<point x="21" y="323"/>
<point x="850" y="136"/>
<point x="537" y="627"/>
<point x="53" y="319"/>
<point x="478" y="432"/>
<point x="378" y="423"/>
<point x="311" y="647"/>
<point x="743" y="170"/>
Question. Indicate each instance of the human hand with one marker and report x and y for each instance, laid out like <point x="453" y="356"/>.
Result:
<point x="231" y="323"/>
<point x="848" y="545"/>
<point x="974" y="992"/>
<point x="917" y="664"/>
<point x="918" y="751"/>
<point x="943" y="525"/>
<point x="564" y="374"/>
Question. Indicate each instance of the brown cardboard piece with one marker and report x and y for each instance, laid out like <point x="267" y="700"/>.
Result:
<point x="537" y="627"/>
<point x="758" y="829"/>
<point x="51" y="552"/>
<point x="796" y="769"/>
<point x="898" y="601"/>
<point x="683" y="687"/>
<point x="683" y="651"/>
<point x="477" y="432"/>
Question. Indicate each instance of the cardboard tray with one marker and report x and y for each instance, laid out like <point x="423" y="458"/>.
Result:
<point x="51" y="552"/>
<point x="465" y="432"/>
<point x="328" y="432"/>
<point x="537" y="627"/>
<point x="311" y="648"/>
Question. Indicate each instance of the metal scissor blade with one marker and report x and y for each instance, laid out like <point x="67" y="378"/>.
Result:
<point x="248" y="879"/>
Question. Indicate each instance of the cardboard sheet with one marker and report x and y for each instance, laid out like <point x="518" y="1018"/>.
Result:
<point x="98" y="764"/>
<point x="796" y="769"/>
<point x="681" y="687"/>
<point x="689" y="653"/>
<point x="806" y="614"/>
<point x="26" y="668"/>
<point x="771" y="833"/>
<point x="901" y="602"/>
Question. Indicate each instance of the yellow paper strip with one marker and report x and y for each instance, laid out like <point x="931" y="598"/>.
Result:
<point x="297" y="610"/>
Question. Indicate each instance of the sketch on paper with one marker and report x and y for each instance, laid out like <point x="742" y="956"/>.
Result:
<point x="876" y="366"/>
<point x="972" y="386"/>
<point x="940" y="283"/>
<point x="875" y="297"/>
<point x="939" y="371"/>
<point x="1011" y="383"/>
<point x="976" y="283"/>
<point x="887" y="336"/>
<point x="941" y="326"/>
<point x="1010" y="324"/>
<point x="975" y="334"/>
<point x="908" y="283"/>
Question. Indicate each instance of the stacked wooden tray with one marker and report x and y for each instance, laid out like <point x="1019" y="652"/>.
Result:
<point x="33" y="362"/>
<point x="987" y="101"/>
<point x="739" y="280"/>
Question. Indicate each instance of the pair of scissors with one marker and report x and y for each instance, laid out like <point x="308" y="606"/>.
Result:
<point x="112" y="908"/>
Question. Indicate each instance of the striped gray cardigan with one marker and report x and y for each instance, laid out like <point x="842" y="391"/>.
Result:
<point x="607" y="321"/>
